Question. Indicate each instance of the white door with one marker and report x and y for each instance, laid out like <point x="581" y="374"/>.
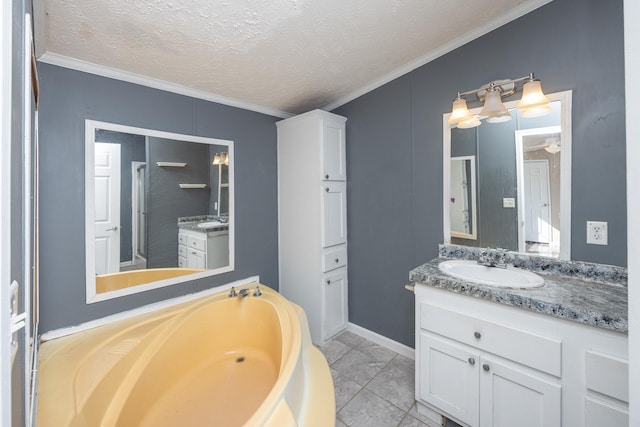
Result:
<point x="536" y="201"/>
<point x="449" y="377"/>
<point x="107" y="207"/>
<point x="514" y="396"/>
<point x="335" y="304"/>
<point x="334" y="214"/>
<point x="333" y="153"/>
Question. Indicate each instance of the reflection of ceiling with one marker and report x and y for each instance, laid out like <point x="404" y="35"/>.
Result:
<point x="537" y="142"/>
<point x="276" y="56"/>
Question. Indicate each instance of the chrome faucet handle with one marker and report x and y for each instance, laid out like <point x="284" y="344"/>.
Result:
<point x="233" y="292"/>
<point x="257" y="292"/>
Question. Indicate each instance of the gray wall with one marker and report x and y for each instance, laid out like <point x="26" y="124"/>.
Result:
<point x="394" y="149"/>
<point x="68" y="98"/>
<point x="166" y="201"/>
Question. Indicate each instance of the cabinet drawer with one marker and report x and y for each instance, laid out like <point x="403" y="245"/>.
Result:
<point x="335" y="258"/>
<point x="520" y="346"/>
<point x="182" y="261"/>
<point x="182" y="251"/>
<point x="194" y="242"/>
<point x="607" y="375"/>
<point x="182" y="239"/>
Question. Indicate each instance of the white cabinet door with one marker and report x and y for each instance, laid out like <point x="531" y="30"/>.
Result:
<point x="334" y="214"/>
<point x="196" y="259"/>
<point x="335" y="315"/>
<point x="448" y="377"/>
<point x="333" y="153"/>
<point x="514" y="396"/>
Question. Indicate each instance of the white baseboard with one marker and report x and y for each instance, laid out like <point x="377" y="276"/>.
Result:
<point x="382" y="340"/>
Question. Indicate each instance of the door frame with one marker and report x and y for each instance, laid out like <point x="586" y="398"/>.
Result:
<point x="134" y="208"/>
<point x="565" y="179"/>
<point x="548" y="189"/>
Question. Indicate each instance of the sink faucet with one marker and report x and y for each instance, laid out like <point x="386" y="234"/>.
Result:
<point x="494" y="258"/>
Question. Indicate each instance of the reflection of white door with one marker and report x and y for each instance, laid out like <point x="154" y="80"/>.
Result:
<point x="536" y="201"/>
<point x="107" y="207"/>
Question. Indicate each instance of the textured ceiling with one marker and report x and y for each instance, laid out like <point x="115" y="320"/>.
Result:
<point x="285" y="55"/>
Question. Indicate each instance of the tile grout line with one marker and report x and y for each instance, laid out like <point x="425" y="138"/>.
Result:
<point x="363" y="387"/>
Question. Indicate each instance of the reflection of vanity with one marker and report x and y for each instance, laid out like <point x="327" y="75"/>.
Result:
<point x="203" y="242"/>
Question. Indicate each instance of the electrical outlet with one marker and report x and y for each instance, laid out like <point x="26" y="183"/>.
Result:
<point x="508" y="202"/>
<point x="597" y="233"/>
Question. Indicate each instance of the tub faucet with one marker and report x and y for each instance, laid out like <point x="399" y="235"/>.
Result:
<point x="244" y="292"/>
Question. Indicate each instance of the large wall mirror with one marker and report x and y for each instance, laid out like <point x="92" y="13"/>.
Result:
<point x="508" y="185"/>
<point x="159" y="209"/>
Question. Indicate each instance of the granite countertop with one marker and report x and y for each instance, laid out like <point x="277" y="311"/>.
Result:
<point x="596" y="301"/>
<point x="191" y="223"/>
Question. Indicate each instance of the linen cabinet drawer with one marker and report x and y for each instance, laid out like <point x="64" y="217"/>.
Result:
<point x="196" y="243"/>
<point x="334" y="258"/>
<point x="542" y="353"/>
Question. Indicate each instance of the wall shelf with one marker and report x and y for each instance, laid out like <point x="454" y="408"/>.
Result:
<point x="171" y="164"/>
<point x="193" y="185"/>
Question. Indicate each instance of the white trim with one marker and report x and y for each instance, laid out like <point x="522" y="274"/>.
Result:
<point x="125" y="76"/>
<point x="91" y="295"/>
<point x="565" y="164"/>
<point x="134" y="209"/>
<point x="63" y="332"/>
<point x="511" y="15"/>
<point x="5" y="210"/>
<point x="392" y="345"/>
<point x="632" y="93"/>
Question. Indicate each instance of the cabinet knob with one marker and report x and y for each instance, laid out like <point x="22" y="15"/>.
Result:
<point x="477" y="334"/>
<point x="472" y="361"/>
<point x="326" y="176"/>
<point x="337" y="260"/>
<point x="326" y="189"/>
<point x="485" y="367"/>
<point x="328" y="282"/>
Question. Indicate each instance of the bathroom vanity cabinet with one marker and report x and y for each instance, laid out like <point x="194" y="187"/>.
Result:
<point x="486" y="364"/>
<point x="206" y="250"/>
<point x="312" y="219"/>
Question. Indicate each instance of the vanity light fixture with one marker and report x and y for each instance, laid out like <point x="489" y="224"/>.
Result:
<point x="221" y="159"/>
<point x="532" y="104"/>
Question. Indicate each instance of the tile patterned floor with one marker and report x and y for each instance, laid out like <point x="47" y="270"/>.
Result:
<point x="374" y="386"/>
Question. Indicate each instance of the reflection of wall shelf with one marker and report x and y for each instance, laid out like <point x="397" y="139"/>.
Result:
<point x="224" y="185"/>
<point x="171" y="164"/>
<point x="193" y="185"/>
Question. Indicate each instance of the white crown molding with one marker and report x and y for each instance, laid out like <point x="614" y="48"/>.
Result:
<point x="511" y="15"/>
<point x="113" y="73"/>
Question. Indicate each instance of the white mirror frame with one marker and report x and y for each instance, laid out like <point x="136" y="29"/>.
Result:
<point x="90" y="130"/>
<point x="565" y="172"/>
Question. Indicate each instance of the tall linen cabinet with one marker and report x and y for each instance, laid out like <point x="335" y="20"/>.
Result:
<point x="312" y="219"/>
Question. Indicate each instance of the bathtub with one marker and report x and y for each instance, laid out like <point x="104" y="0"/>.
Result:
<point x="125" y="279"/>
<point x="213" y="361"/>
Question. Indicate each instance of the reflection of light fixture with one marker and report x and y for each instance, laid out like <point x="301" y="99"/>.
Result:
<point x="221" y="159"/>
<point x="553" y="145"/>
<point x="533" y="103"/>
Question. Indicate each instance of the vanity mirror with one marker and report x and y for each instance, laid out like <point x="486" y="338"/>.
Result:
<point x="155" y="200"/>
<point x="508" y="184"/>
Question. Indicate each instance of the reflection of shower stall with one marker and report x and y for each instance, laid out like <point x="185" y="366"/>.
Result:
<point x="139" y="214"/>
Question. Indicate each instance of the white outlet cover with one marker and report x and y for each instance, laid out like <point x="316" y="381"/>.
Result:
<point x="597" y="233"/>
<point x="508" y="202"/>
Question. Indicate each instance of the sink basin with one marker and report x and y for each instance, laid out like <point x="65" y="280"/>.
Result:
<point x="211" y="224"/>
<point x="510" y="277"/>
